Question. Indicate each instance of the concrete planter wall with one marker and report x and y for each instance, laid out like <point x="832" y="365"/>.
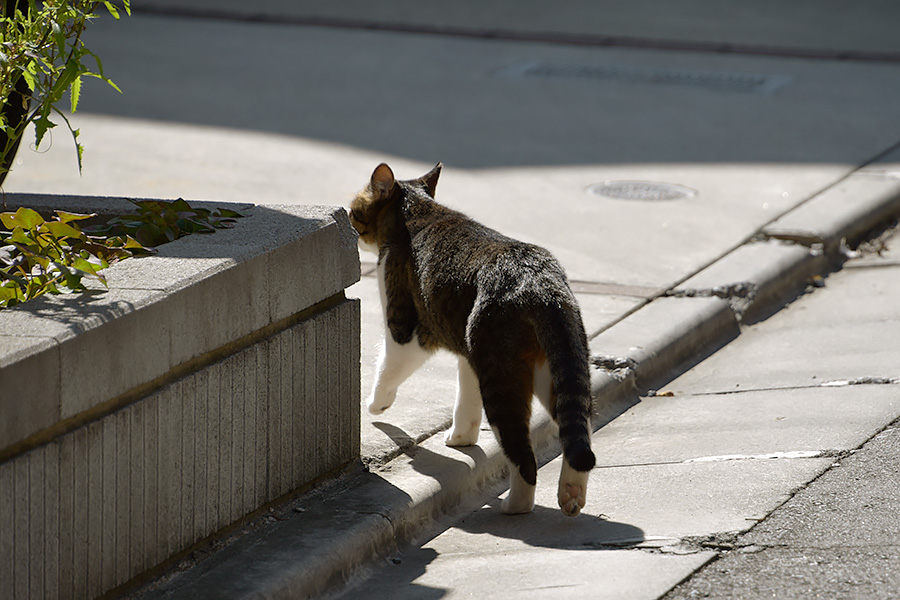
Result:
<point x="208" y="380"/>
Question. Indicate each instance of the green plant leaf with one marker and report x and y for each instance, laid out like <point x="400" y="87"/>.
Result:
<point x="41" y="125"/>
<point x="25" y="218"/>
<point x="86" y="266"/>
<point x="59" y="36"/>
<point x="180" y="205"/>
<point x="112" y="9"/>
<point x="29" y="74"/>
<point x="133" y="244"/>
<point x="19" y="236"/>
<point x="67" y="217"/>
<point x="75" y="93"/>
<point x="60" y="229"/>
<point x="53" y="256"/>
<point x="10" y="294"/>
<point x="12" y="278"/>
<point x="149" y="234"/>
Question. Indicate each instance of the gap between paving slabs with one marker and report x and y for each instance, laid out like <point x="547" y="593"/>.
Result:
<point x="318" y="541"/>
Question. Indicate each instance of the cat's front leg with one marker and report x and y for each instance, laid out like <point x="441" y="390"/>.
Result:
<point x="467" y="411"/>
<point x="396" y="362"/>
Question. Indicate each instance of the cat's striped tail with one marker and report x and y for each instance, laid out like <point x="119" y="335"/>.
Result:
<point x="560" y="332"/>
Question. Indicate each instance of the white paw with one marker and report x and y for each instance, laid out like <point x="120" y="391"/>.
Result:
<point x="456" y="438"/>
<point x="521" y="495"/>
<point x="380" y="402"/>
<point x="571" y="498"/>
<point x="516" y="506"/>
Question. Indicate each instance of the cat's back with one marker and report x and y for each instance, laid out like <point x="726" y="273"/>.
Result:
<point x="452" y="250"/>
<point x="443" y="237"/>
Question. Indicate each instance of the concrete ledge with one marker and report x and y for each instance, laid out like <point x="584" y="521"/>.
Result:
<point x="139" y="420"/>
<point x="196" y="295"/>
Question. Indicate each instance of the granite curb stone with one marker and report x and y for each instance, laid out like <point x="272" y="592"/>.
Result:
<point x="757" y="277"/>
<point x="843" y="213"/>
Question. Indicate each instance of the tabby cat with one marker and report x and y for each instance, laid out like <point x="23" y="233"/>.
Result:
<point x="502" y="306"/>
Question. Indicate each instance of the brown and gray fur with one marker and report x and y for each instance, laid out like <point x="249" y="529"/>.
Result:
<point x="502" y="306"/>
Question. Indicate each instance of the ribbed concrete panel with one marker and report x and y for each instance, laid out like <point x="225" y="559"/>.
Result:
<point x="99" y="505"/>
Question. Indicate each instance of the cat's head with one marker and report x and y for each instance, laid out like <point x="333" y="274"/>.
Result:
<point x="374" y="210"/>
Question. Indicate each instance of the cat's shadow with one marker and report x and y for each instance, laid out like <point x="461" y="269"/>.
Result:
<point x="426" y="462"/>
<point x="547" y="527"/>
<point x="544" y="527"/>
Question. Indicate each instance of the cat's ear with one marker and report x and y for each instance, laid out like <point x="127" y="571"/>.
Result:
<point x="430" y="179"/>
<point x="383" y="180"/>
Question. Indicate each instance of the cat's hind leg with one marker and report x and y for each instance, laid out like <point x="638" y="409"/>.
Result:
<point x="572" y="484"/>
<point x="520" y="499"/>
<point x="503" y="350"/>
<point x="396" y="362"/>
<point x="572" y="489"/>
<point x="506" y="390"/>
<point x="467" y="411"/>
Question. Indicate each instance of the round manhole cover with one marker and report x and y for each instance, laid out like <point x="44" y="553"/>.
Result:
<point x="640" y="190"/>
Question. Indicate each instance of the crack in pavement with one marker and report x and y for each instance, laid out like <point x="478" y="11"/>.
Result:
<point x="862" y="381"/>
<point x="781" y="455"/>
<point x="868" y="380"/>
<point x="740" y="295"/>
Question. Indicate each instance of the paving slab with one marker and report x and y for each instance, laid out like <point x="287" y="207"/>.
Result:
<point x="601" y="311"/>
<point x="836" y="537"/>
<point x="672" y="501"/>
<point x="746" y="424"/>
<point x="310" y="104"/>
<point x="841" y="353"/>
<point x="594" y="573"/>
<point x="643" y="505"/>
<point x="840" y="335"/>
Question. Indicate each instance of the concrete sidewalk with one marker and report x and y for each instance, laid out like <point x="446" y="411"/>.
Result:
<point x="809" y="395"/>
<point x="662" y="180"/>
